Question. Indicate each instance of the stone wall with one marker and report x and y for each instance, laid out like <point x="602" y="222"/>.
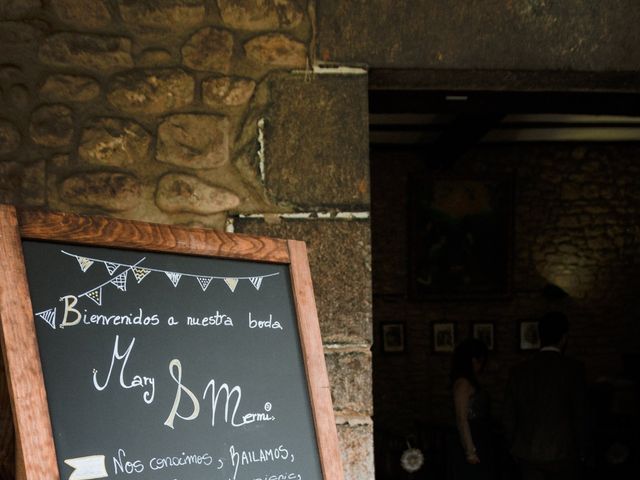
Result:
<point x="576" y="225"/>
<point x="481" y="34"/>
<point x="196" y="112"/>
<point x="317" y="154"/>
<point x="138" y="108"/>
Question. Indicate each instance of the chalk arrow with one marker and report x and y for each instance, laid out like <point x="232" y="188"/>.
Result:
<point x="87" y="468"/>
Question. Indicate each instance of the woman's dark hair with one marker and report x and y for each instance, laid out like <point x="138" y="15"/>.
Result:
<point x="461" y="366"/>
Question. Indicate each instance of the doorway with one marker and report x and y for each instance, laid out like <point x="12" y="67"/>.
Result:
<point x="568" y="238"/>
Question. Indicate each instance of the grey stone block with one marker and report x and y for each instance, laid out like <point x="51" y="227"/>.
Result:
<point x="350" y="379"/>
<point x="87" y="14"/>
<point x="152" y="91"/>
<point x="276" y="50"/>
<point x="356" y="446"/>
<point x="434" y="34"/>
<point x="162" y="15"/>
<point x="340" y="261"/>
<point x="95" y="52"/>
<point x="260" y="15"/>
<point x="317" y="141"/>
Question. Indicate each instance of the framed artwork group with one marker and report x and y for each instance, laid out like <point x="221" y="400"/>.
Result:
<point x="444" y="336"/>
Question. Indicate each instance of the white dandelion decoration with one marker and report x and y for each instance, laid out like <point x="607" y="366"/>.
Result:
<point x="411" y="460"/>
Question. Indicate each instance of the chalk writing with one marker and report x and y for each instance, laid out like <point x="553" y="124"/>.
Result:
<point x="121" y="465"/>
<point x="280" y="476"/>
<point x="247" y="457"/>
<point x="174" y="461"/>
<point x="271" y="323"/>
<point x="137" y="381"/>
<point x="70" y="301"/>
<point x="214" y="320"/>
<point x="175" y="367"/>
<point x="123" y="319"/>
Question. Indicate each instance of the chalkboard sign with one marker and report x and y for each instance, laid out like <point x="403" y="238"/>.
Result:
<point x="142" y="351"/>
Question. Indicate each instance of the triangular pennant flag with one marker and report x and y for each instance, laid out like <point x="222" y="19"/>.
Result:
<point x="204" y="282"/>
<point x="49" y="316"/>
<point x="95" y="295"/>
<point x="174" y="277"/>
<point x="256" y="282"/>
<point x="121" y="281"/>
<point x="140" y="273"/>
<point x="85" y="263"/>
<point x="232" y="283"/>
<point x="111" y="267"/>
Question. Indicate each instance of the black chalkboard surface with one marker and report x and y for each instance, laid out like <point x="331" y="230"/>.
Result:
<point x="142" y="351"/>
<point x="161" y="366"/>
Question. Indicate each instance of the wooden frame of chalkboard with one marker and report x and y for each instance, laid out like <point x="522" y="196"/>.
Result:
<point x="35" y="450"/>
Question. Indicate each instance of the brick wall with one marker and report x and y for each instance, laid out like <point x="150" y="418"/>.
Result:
<point x="576" y="225"/>
<point x="195" y="112"/>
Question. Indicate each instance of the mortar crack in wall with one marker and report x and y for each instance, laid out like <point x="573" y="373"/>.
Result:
<point x="347" y="347"/>
<point x="319" y="69"/>
<point x="261" y="150"/>
<point x="364" y="215"/>
<point x="230" y="225"/>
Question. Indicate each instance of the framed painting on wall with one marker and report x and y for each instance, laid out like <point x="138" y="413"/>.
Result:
<point x="484" y="332"/>
<point x="529" y="336"/>
<point x="393" y="337"/>
<point x="460" y="237"/>
<point x="444" y="337"/>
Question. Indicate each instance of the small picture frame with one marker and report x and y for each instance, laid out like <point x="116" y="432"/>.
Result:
<point x="529" y="336"/>
<point x="444" y="337"/>
<point x="483" y="331"/>
<point x="393" y="337"/>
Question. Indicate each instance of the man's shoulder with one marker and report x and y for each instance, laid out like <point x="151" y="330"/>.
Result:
<point x="545" y="360"/>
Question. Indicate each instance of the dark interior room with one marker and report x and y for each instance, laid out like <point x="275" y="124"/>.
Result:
<point x="488" y="210"/>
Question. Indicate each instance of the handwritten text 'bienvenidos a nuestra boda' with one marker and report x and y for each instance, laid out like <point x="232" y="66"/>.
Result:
<point x="72" y="317"/>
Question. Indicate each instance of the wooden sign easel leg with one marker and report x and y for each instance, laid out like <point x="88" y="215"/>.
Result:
<point x="20" y="472"/>
<point x="35" y="450"/>
<point x="7" y="431"/>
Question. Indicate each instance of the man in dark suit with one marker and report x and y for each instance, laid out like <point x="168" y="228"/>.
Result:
<point x="545" y="407"/>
